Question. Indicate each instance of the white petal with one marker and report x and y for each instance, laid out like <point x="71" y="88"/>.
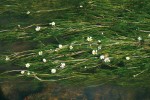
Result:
<point x="89" y="39"/>
<point x="99" y="47"/>
<point x="81" y="6"/>
<point x="99" y="41"/>
<point x="60" y="46"/>
<point x="53" y="23"/>
<point x="37" y="28"/>
<point x="28" y="12"/>
<point x="27" y="65"/>
<point x="62" y="65"/>
<point x="53" y="71"/>
<point x="28" y="73"/>
<point x="22" y="72"/>
<point x="44" y="60"/>
<point x="70" y="47"/>
<point x="40" y="53"/>
<point x="107" y="60"/>
<point x="7" y="58"/>
<point x="139" y="38"/>
<point x="127" y="58"/>
<point x="94" y="52"/>
<point x="102" y="57"/>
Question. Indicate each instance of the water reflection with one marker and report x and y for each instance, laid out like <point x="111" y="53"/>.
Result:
<point x="30" y="90"/>
<point x="113" y="92"/>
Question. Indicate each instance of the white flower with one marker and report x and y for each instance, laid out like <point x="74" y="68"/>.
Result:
<point x="52" y="23"/>
<point x="7" y="58"/>
<point x="38" y="28"/>
<point x="81" y="6"/>
<point x="148" y="35"/>
<point x="102" y="57"/>
<point x="40" y="53"/>
<point x="44" y="60"/>
<point x="94" y="52"/>
<point x="22" y="72"/>
<point x="99" y="47"/>
<point x="27" y="65"/>
<point x="62" y="65"/>
<point x="19" y="26"/>
<point x="99" y="41"/>
<point x="85" y="67"/>
<point x="60" y="46"/>
<point x="107" y="60"/>
<point x="56" y="50"/>
<point x="134" y="75"/>
<point x="70" y="47"/>
<point x="102" y="33"/>
<point x="127" y="58"/>
<point x="139" y="38"/>
<point x="28" y="12"/>
<point x="89" y="39"/>
<point x="53" y="71"/>
<point x="28" y="73"/>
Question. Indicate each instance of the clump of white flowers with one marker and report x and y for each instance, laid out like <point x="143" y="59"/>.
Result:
<point x="27" y="65"/>
<point x="62" y="65"/>
<point x="52" y="23"/>
<point x="7" y="58"/>
<point x="40" y="53"/>
<point x="70" y="47"/>
<point x="60" y="46"/>
<point x="127" y="58"/>
<point x="89" y="39"/>
<point x="28" y="12"/>
<point x="149" y="35"/>
<point x="139" y="38"/>
<point x="22" y="72"/>
<point x="107" y="59"/>
<point x="94" y="52"/>
<point x="53" y="71"/>
<point x="44" y="60"/>
<point x="38" y="28"/>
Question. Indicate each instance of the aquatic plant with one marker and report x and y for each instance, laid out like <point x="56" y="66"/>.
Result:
<point x="91" y="40"/>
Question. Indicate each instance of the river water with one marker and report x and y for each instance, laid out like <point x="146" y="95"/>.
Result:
<point x="29" y="90"/>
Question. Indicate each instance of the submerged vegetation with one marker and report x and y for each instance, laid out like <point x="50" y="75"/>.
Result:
<point x="76" y="42"/>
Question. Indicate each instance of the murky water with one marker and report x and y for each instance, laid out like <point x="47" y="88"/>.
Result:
<point x="29" y="90"/>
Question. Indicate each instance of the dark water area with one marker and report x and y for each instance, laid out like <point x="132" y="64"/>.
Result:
<point x="29" y="90"/>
